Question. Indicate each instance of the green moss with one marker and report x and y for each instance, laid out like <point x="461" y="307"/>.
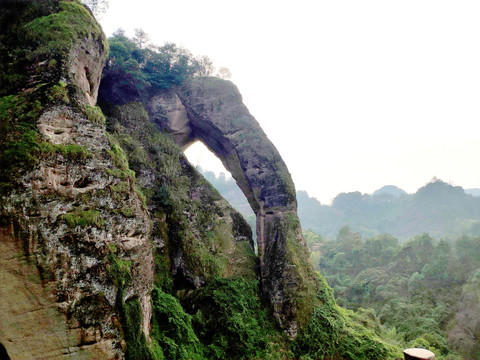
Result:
<point x="70" y="151"/>
<point x="19" y="140"/>
<point x="141" y="195"/>
<point x="120" y="160"/>
<point x="23" y="152"/>
<point x="7" y="105"/>
<point x="58" y="94"/>
<point x="119" y="269"/>
<point x="307" y="295"/>
<point x="56" y="33"/>
<point x="230" y="321"/>
<point x="127" y="211"/>
<point x="94" y="114"/>
<point x="172" y="332"/>
<point x="137" y="347"/>
<point x="117" y="173"/>
<point x="83" y="219"/>
<point x="162" y="277"/>
<point x="333" y="332"/>
<point x="122" y="187"/>
<point x="120" y="273"/>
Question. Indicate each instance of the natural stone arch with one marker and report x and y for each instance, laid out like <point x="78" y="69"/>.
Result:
<point x="211" y="110"/>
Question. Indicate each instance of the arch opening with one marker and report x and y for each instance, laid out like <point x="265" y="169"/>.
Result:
<point x="212" y="169"/>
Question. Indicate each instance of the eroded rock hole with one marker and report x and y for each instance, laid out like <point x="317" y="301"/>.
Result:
<point x="210" y="166"/>
<point x="83" y="183"/>
<point x="3" y="353"/>
<point x="88" y="75"/>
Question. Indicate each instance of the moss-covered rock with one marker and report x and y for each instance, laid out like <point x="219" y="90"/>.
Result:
<point x="59" y="173"/>
<point x="199" y="235"/>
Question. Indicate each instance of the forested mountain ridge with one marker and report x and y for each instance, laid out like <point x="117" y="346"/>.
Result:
<point x="437" y="208"/>
<point x="440" y="209"/>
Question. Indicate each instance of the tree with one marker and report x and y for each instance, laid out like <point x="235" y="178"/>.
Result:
<point x="224" y="73"/>
<point x="119" y="33"/>
<point x="141" y="38"/>
<point x="98" y="7"/>
<point x="205" y="66"/>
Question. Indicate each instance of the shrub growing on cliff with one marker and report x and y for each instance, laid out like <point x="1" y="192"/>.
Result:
<point x="229" y="320"/>
<point x="172" y="330"/>
<point x="333" y="332"/>
<point x="132" y="71"/>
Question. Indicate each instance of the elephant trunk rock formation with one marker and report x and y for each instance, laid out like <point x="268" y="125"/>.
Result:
<point x="211" y="110"/>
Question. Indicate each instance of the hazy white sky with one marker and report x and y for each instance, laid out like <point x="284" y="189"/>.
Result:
<point x="354" y="94"/>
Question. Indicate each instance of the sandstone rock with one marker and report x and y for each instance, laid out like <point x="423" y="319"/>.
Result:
<point x="195" y="230"/>
<point x="71" y="214"/>
<point x="211" y="110"/>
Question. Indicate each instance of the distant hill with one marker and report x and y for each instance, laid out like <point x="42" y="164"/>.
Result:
<point x="473" y="192"/>
<point x="390" y="190"/>
<point x="438" y="208"/>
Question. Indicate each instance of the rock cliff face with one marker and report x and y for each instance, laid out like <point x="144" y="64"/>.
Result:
<point x="75" y="234"/>
<point x="195" y="230"/>
<point x="80" y="242"/>
<point x="211" y="110"/>
<point x="91" y="220"/>
<point x="112" y="245"/>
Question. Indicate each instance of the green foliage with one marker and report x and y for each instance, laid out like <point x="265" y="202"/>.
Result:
<point x="23" y="152"/>
<point x="134" y="72"/>
<point x="57" y="32"/>
<point x="119" y="271"/>
<point x="172" y="330"/>
<point x="94" y="114"/>
<point x="70" y="151"/>
<point x="229" y="320"/>
<point x="335" y="333"/>
<point x="137" y="347"/>
<point x="162" y="196"/>
<point x="83" y="219"/>
<point x="58" y="94"/>
<point x="19" y="141"/>
<point x="416" y="288"/>
<point x="120" y="160"/>
<point x="162" y="278"/>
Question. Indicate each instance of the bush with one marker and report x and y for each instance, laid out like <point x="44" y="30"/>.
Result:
<point x="229" y="320"/>
<point x="172" y="330"/>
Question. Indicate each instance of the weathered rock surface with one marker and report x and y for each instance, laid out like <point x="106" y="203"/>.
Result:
<point x="211" y="110"/>
<point x="194" y="229"/>
<point x="75" y="234"/>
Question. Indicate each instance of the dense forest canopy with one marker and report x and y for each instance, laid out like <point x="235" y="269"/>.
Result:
<point x="421" y="288"/>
